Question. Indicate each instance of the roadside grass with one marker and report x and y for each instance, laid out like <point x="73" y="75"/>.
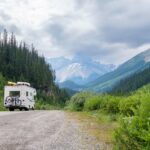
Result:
<point x="40" y="105"/>
<point x="2" y="108"/>
<point x="97" y="124"/>
<point x="47" y="107"/>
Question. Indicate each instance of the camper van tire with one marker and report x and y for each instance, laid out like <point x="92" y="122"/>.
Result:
<point x="11" y="109"/>
<point x="26" y="109"/>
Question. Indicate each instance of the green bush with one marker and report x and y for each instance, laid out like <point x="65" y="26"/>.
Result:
<point x="2" y="108"/>
<point x="40" y="104"/>
<point x="134" y="131"/>
<point x="77" y="101"/>
<point x="128" y="105"/>
<point x="2" y="84"/>
<point x="105" y="102"/>
<point x="89" y="101"/>
<point x="93" y="103"/>
<point x="112" y="105"/>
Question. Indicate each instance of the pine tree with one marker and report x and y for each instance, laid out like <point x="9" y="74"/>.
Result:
<point x="20" y="63"/>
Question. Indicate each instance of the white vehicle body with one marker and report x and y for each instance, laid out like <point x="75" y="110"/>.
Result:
<point x="19" y="96"/>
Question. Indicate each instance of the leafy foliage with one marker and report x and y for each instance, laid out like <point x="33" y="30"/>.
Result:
<point x="77" y="101"/>
<point x="93" y="103"/>
<point x="2" y="83"/>
<point x="90" y="101"/>
<point x="134" y="132"/>
<point x="128" y="105"/>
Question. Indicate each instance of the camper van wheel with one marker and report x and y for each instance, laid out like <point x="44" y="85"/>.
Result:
<point x="11" y="109"/>
<point x="20" y="109"/>
<point x="26" y="109"/>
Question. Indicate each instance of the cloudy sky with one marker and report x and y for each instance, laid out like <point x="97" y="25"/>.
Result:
<point x="110" y="31"/>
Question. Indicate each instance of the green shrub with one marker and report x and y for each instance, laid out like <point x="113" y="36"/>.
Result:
<point x="77" y="101"/>
<point x="105" y="102"/>
<point x="128" y="105"/>
<point x="2" y="108"/>
<point x="112" y="105"/>
<point x="90" y="101"/>
<point x="93" y="103"/>
<point x="144" y="110"/>
<point x="2" y="84"/>
<point x="41" y="104"/>
<point x="134" y="131"/>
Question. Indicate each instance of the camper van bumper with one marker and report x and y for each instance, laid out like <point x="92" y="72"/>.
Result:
<point x="14" y="106"/>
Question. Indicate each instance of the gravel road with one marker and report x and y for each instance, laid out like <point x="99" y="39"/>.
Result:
<point x="43" y="130"/>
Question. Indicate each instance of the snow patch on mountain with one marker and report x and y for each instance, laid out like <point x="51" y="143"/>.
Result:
<point x="72" y="71"/>
<point x="80" y="69"/>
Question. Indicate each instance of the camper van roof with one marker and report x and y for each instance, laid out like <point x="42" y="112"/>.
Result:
<point x="23" y="83"/>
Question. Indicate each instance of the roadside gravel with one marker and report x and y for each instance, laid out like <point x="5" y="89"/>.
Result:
<point x="44" y="130"/>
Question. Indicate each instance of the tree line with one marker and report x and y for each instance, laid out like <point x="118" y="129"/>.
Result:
<point x="19" y="62"/>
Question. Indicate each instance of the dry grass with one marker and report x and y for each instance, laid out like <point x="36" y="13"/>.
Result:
<point x="101" y="130"/>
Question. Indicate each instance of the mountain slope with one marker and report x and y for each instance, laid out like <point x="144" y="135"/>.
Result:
<point x="107" y="81"/>
<point x="132" y="82"/>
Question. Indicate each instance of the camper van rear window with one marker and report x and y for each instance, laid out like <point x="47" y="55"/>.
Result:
<point x="14" y="93"/>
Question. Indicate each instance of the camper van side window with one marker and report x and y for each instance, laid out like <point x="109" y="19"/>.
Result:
<point x="27" y="93"/>
<point x="14" y="93"/>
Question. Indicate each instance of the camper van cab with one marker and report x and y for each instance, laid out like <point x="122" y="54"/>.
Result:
<point x="19" y="95"/>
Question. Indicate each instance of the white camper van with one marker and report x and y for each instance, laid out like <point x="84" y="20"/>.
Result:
<point x="19" y="95"/>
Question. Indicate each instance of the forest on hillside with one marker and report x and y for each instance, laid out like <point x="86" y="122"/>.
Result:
<point x="20" y="62"/>
<point x="132" y="82"/>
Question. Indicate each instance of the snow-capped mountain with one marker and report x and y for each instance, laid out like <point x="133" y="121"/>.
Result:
<point x="80" y="69"/>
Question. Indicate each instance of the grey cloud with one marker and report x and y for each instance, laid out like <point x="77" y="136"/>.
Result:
<point x="132" y="36"/>
<point x="15" y="29"/>
<point x="126" y="22"/>
<point x="7" y="23"/>
<point x="10" y="28"/>
<point x="116" y="21"/>
<point x="4" y="16"/>
<point x="56" y="30"/>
